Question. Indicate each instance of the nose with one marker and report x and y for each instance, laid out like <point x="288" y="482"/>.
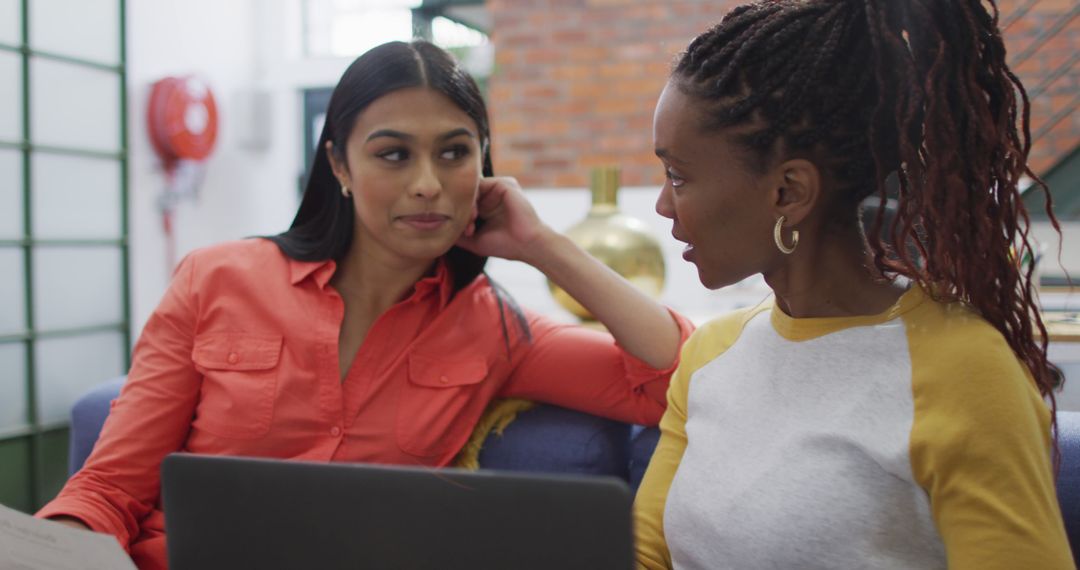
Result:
<point x="664" y="205"/>
<point x="426" y="184"/>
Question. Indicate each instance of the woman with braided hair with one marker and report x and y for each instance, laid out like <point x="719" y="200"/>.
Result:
<point x="890" y="406"/>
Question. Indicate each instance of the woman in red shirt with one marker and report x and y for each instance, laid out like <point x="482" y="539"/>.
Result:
<point x="368" y="332"/>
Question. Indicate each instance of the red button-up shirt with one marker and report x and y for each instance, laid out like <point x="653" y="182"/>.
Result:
<point x="241" y="358"/>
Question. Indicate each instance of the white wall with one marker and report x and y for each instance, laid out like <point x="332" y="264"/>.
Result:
<point x="1050" y="242"/>
<point x="245" y="191"/>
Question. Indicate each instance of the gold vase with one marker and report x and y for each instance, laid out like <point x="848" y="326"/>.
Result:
<point x="621" y="242"/>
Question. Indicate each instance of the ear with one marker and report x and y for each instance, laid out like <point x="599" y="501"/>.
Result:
<point x="337" y="165"/>
<point x="796" y="189"/>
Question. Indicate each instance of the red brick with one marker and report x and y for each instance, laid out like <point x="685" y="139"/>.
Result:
<point x="620" y="107"/>
<point x="504" y="128"/>
<point x="542" y="56"/>
<point x="609" y="3"/>
<point x="542" y="91"/>
<point x="567" y="179"/>
<point x="528" y="144"/>
<point x="593" y="160"/>
<point x="573" y="72"/>
<point x="554" y="164"/>
<point x="589" y="53"/>
<point x="1057" y="5"/>
<point x="508" y="167"/>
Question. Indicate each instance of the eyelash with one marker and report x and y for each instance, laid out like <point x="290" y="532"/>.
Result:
<point x="386" y="154"/>
<point x="460" y="151"/>
<point x="676" y="181"/>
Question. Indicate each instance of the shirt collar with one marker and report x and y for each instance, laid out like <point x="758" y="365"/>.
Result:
<point x="440" y="282"/>
<point x="321" y="270"/>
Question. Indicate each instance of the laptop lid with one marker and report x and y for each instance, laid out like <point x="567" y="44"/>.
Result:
<point x="235" y="512"/>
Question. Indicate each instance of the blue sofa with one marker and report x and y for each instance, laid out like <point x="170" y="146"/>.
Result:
<point x="555" y="440"/>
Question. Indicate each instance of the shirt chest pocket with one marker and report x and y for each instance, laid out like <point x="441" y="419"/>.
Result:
<point x="240" y="373"/>
<point x="440" y="403"/>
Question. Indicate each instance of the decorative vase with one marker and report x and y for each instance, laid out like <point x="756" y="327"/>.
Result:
<point x="621" y="242"/>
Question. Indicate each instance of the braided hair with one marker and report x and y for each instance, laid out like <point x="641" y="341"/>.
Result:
<point x="913" y="90"/>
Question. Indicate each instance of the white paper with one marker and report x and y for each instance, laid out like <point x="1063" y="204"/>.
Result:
<point x="27" y="543"/>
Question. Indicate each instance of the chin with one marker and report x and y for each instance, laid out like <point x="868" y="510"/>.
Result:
<point x="427" y="255"/>
<point x="714" y="282"/>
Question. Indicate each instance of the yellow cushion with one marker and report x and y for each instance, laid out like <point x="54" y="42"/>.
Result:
<point x="497" y="416"/>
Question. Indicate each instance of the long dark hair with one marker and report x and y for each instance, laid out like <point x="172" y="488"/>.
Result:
<point x="323" y="227"/>
<point x="915" y="88"/>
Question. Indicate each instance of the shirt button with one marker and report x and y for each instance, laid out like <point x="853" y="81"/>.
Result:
<point x="335" y="431"/>
<point x="234" y="358"/>
<point x="444" y="379"/>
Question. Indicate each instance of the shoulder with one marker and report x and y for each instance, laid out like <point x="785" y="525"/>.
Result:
<point x="255" y="259"/>
<point x="251" y="252"/>
<point x="718" y="335"/>
<point x="951" y="344"/>
<point x="238" y="255"/>
<point x="481" y="307"/>
<point x="966" y="379"/>
<point x="706" y="344"/>
<point x="480" y="295"/>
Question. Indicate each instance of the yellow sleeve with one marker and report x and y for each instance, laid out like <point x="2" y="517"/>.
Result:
<point x="652" y="552"/>
<point x="980" y="447"/>
<point x="702" y="347"/>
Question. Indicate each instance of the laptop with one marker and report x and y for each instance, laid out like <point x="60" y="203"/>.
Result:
<point x="238" y="513"/>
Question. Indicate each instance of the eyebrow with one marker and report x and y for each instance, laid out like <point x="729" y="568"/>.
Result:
<point x="390" y="133"/>
<point x="407" y="137"/>
<point x="457" y="133"/>
<point x="666" y="154"/>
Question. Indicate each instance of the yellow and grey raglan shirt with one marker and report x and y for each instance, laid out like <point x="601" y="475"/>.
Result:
<point x="910" y="439"/>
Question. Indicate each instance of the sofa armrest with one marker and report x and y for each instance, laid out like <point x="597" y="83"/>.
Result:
<point x="1068" y="480"/>
<point x="643" y="442"/>
<point x="550" y="439"/>
<point x="87" y="416"/>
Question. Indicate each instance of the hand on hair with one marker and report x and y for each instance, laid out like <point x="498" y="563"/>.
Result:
<point x="506" y="223"/>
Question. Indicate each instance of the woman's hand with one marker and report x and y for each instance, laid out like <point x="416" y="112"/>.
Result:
<point x="511" y="229"/>
<point x="508" y="226"/>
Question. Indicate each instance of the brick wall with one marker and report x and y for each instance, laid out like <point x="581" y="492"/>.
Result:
<point x="1049" y="70"/>
<point x="576" y="81"/>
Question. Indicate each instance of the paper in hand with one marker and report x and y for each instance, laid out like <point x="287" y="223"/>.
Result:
<point x="28" y="543"/>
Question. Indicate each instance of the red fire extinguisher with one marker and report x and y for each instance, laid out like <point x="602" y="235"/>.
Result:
<point x="182" y="120"/>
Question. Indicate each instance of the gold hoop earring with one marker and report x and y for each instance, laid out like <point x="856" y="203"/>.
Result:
<point x="345" y="191"/>
<point x="780" y="240"/>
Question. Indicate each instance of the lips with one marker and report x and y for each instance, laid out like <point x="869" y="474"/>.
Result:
<point x="425" y="221"/>
<point x="688" y="251"/>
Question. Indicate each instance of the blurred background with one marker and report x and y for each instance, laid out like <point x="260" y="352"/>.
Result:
<point x="95" y="212"/>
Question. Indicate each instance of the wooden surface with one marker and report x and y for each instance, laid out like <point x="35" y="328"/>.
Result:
<point x="1062" y="326"/>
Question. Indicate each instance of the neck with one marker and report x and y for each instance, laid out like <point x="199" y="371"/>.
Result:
<point x="831" y="277"/>
<point x="373" y="280"/>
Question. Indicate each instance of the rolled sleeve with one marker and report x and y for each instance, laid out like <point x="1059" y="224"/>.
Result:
<point x="586" y="370"/>
<point x="119" y="484"/>
<point x="653" y="381"/>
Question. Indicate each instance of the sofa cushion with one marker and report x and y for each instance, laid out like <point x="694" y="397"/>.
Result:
<point x="550" y="439"/>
